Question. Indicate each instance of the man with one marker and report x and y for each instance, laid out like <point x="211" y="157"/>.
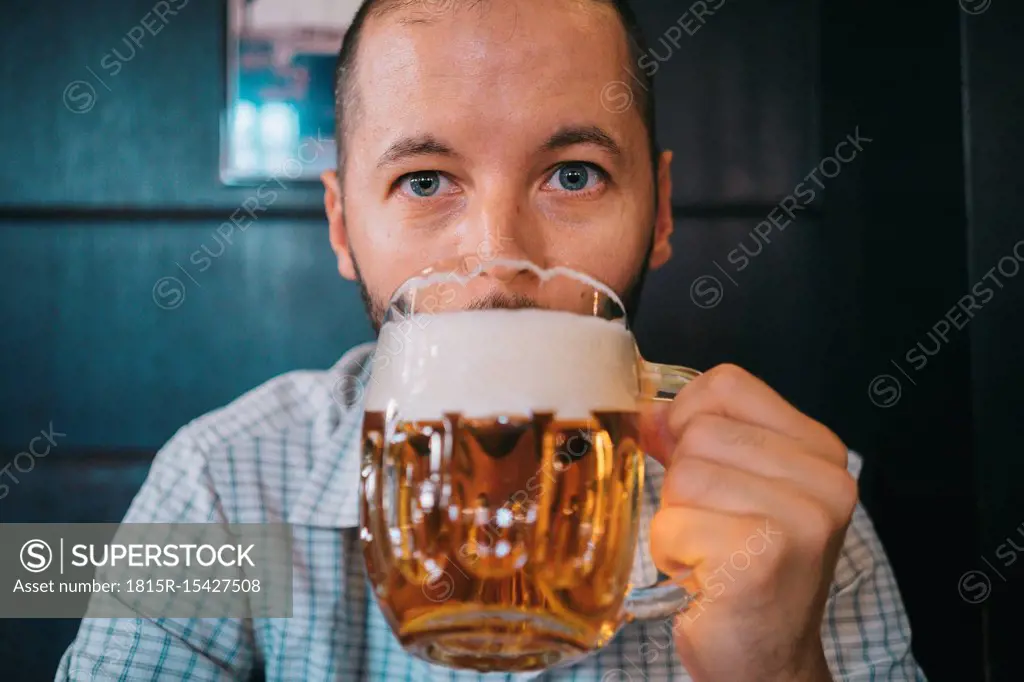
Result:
<point x="477" y="127"/>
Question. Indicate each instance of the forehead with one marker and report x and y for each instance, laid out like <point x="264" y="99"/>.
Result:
<point x="497" y="66"/>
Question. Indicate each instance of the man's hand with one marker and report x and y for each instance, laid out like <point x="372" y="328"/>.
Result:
<point x="754" y="510"/>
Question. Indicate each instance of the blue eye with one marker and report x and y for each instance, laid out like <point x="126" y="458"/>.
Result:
<point x="575" y="177"/>
<point x="424" y="184"/>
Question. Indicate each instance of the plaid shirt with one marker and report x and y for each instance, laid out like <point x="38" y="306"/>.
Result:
<point x="288" y="451"/>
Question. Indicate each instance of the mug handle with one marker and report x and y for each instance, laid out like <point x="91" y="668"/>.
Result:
<point x="660" y="383"/>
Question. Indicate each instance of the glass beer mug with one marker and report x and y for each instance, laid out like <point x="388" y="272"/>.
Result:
<point x="502" y="472"/>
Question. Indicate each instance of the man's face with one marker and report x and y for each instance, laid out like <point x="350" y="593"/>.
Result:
<point x="480" y="131"/>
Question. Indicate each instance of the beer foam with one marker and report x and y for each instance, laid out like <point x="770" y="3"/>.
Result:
<point x="486" y="363"/>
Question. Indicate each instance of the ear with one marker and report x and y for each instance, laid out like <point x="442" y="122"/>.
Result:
<point x="661" y="250"/>
<point x="336" y="224"/>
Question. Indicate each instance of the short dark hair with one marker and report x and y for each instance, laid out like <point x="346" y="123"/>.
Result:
<point x="344" y="91"/>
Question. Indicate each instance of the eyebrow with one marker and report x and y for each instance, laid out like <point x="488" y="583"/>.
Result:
<point x="573" y="135"/>
<point x="428" y="145"/>
<point x="413" y="146"/>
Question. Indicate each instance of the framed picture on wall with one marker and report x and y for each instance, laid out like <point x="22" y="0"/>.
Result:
<point x="278" y="121"/>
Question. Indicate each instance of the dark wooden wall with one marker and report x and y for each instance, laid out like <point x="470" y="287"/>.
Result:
<point x="994" y="106"/>
<point x="97" y="207"/>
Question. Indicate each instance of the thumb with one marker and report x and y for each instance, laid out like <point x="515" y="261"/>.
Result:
<point x="655" y="437"/>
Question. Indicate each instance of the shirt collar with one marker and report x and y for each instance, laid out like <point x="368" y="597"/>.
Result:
<point x="330" y="496"/>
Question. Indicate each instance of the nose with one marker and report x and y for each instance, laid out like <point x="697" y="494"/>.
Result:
<point x="499" y="225"/>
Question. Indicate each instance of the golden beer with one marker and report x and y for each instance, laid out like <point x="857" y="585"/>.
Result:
<point x="509" y="530"/>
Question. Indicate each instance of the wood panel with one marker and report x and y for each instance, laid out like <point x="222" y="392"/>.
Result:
<point x="897" y="75"/>
<point x="994" y="57"/>
<point x="763" y="302"/>
<point x="101" y="122"/>
<point x="102" y="341"/>
<point x="736" y="91"/>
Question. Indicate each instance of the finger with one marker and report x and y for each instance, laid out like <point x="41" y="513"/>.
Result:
<point x="682" y="539"/>
<point x="705" y="484"/>
<point x="689" y="544"/>
<point x="655" y="438"/>
<point x="767" y="454"/>
<point x="730" y="391"/>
